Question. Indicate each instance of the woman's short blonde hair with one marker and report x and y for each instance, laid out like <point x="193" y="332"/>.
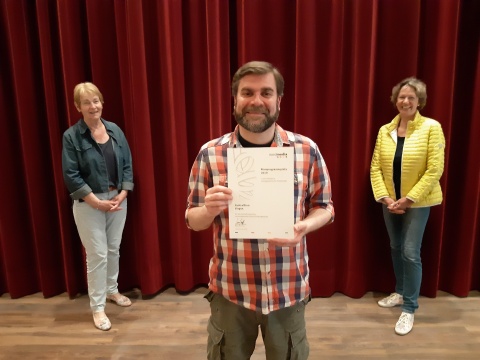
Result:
<point x="418" y="86"/>
<point x="85" y="88"/>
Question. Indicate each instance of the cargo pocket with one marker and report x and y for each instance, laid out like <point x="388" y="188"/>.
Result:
<point x="209" y="296"/>
<point x="215" y="339"/>
<point x="300" y="348"/>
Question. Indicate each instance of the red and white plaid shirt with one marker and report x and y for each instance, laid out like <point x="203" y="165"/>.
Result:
<point x="249" y="272"/>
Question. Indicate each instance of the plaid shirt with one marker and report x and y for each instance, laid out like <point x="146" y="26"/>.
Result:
<point x="249" y="272"/>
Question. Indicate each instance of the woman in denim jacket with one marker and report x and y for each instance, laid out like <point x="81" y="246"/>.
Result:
<point x="97" y="169"/>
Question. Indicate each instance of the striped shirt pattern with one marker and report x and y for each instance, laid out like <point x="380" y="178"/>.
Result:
<point x="249" y="272"/>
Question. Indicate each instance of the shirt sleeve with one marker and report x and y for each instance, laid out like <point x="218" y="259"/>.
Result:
<point x="320" y="188"/>
<point x="198" y="181"/>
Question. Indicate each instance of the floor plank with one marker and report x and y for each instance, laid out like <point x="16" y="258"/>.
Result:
<point x="173" y="326"/>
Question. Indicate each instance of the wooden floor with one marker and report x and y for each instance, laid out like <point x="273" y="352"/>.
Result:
<point x="172" y="326"/>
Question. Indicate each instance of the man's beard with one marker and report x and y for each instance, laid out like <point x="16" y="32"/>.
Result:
<point x="257" y="127"/>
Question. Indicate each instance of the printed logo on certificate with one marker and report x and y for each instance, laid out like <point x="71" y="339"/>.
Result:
<point x="262" y="181"/>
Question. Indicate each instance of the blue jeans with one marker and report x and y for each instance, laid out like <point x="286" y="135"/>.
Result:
<point x="406" y="233"/>
<point x="101" y="235"/>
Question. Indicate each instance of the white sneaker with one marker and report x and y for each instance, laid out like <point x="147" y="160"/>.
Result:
<point x="392" y="300"/>
<point x="404" y="324"/>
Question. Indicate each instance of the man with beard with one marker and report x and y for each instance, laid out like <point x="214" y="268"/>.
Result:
<point x="258" y="282"/>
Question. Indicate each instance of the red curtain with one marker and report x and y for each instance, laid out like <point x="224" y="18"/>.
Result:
<point x="164" y="68"/>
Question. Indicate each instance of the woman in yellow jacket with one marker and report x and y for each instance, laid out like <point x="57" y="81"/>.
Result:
<point x="406" y="167"/>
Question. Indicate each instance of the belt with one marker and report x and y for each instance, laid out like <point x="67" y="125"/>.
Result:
<point x="110" y="188"/>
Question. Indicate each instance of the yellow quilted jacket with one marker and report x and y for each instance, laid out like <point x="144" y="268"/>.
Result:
<point x="422" y="161"/>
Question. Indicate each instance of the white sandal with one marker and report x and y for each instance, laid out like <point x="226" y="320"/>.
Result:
<point x="120" y="300"/>
<point x="102" y="323"/>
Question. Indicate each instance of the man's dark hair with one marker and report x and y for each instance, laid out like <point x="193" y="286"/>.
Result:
<point x="257" y="68"/>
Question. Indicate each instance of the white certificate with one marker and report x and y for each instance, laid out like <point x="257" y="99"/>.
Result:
<point x="261" y="180"/>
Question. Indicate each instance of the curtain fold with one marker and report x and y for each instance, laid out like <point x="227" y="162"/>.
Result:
<point x="165" y="67"/>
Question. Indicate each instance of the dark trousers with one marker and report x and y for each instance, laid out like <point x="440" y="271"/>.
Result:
<point x="233" y="331"/>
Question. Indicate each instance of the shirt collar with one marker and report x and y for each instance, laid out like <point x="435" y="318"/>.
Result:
<point x="280" y="138"/>
<point x="84" y="127"/>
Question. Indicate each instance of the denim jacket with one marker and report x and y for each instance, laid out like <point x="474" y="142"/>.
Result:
<point x="84" y="167"/>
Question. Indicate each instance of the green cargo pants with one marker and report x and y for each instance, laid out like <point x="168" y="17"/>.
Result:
<point x="233" y="331"/>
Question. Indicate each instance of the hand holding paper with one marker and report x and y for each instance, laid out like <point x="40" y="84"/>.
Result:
<point x="300" y="230"/>
<point x="217" y="199"/>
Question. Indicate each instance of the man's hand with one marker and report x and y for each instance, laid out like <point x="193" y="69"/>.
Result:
<point x="216" y="201"/>
<point x="299" y="231"/>
<point x="315" y="220"/>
